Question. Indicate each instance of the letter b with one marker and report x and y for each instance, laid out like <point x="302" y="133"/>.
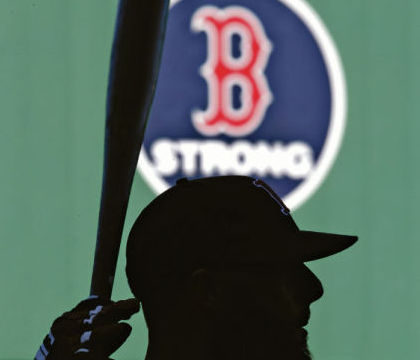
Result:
<point x="238" y="93"/>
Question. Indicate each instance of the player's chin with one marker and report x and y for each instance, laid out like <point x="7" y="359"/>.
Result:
<point x="292" y="344"/>
<point x="295" y="345"/>
<point x="305" y="355"/>
<point x="302" y="339"/>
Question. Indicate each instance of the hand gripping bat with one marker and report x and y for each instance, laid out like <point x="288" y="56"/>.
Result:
<point x="135" y="58"/>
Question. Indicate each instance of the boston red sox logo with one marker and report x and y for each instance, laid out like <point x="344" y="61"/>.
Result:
<point x="223" y="71"/>
<point x="246" y="87"/>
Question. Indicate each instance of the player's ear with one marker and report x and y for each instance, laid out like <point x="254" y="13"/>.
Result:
<point x="205" y="289"/>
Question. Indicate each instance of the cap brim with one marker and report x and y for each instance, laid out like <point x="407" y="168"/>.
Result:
<point x="316" y="245"/>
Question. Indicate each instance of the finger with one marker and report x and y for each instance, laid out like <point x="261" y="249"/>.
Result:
<point x="75" y="322"/>
<point x="90" y="313"/>
<point x="104" y="340"/>
<point x="82" y="309"/>
<point x="121" y="310"/>
<point x="90" y="303"/>
<point x="79" y="318"/>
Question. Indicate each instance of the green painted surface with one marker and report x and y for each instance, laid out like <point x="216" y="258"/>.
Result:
<point x="53" y="67"/>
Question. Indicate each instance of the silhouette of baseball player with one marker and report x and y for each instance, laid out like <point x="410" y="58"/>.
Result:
<point x="218" y="266"/>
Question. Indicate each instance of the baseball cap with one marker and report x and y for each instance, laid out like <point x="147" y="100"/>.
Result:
<point x="220" y="221"/>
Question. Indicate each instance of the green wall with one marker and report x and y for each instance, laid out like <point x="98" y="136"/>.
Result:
<point x="53" y="67"/>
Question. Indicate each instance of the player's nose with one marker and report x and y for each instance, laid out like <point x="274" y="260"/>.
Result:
<point x="313" y="286"/>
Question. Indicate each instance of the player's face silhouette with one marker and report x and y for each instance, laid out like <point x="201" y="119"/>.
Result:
<point x="269" y="306"/>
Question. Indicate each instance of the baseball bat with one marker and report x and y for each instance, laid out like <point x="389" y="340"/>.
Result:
<point x="135" y="59"/>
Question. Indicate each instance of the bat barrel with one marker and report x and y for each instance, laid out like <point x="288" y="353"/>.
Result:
<point x="135" y="59"/>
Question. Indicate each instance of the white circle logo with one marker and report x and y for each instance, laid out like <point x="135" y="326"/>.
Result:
<point x="250" y="88"/>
